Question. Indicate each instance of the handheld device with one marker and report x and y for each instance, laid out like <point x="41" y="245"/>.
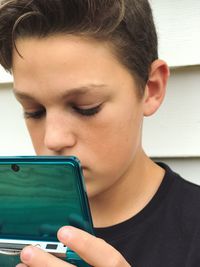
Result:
<point x="38" y="195"/>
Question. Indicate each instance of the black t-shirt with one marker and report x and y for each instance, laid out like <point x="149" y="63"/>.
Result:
<point x="166" y="233"/>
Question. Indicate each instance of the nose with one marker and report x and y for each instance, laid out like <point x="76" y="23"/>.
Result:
<point x="59" y="134"/>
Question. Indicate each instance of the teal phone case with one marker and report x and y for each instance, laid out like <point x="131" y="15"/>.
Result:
<point x="38" y="195"/>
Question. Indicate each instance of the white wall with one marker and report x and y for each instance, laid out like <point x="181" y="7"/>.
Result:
<point x="174" y="131"/>
<point x="14" y="139"/>
<point x="5" y="77"/>
<point x="178" y="25"/>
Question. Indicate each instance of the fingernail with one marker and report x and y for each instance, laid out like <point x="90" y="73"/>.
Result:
<point x="64" y="235"/>
<point x="27" y="254"/>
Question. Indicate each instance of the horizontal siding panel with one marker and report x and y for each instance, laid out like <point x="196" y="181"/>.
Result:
<point x="175" y="129"/>
<point x="5" y="77"/>
<point x="178" y="26"/>
<point x="14" y="138"/>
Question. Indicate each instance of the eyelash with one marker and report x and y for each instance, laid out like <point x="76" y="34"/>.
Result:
<point x="83" y="112"/>
<point x="34" y="115"/>
<point x="87" y="112"/>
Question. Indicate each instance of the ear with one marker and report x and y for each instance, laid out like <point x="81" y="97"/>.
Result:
<point x="156" y="87"/>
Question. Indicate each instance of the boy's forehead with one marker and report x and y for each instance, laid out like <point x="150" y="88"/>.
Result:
<point x="61" y="49"/>
<point x="78" y="65"/>
<point x="62" y="40"/>
<point x="60" y="52"/>
<point x="94" y="89"/>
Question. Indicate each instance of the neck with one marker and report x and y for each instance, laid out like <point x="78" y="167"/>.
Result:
<point x="129" y="195"/>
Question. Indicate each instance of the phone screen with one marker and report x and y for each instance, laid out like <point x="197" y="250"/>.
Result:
<point x="38" y="195"/>
<point x="36" y="199"/>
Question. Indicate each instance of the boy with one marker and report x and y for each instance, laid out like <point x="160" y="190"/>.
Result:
<point x="86" y="73"/>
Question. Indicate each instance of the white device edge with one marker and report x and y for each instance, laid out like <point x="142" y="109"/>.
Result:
<point x="14" y="246"/>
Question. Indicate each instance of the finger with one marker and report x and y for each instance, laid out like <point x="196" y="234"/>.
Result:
<point x="90" y="248"/>
<point x="35" y="257"/>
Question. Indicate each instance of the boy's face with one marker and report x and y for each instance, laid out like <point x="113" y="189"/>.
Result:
<point x="79" y="100"/>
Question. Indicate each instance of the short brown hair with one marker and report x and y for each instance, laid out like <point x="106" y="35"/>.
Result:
<point x="127" y="24"/>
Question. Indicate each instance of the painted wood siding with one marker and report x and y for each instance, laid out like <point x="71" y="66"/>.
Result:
<point x="178" y="26"/>
<point x="174" y="131"/>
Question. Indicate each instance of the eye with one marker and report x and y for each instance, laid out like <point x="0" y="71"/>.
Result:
<point x="35" y="114"/>
<point x="87" y="111"/>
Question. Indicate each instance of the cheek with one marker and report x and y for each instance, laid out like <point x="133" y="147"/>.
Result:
<point x="112" y="151"/>
<point x="111" y="158"/>
<point x="117" y="138"/>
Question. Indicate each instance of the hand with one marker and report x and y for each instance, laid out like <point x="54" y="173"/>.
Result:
<point x="93" y="250"/>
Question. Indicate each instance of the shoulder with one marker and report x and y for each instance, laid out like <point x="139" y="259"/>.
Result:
<point x="183" y="200"/>
<point x="181" y="185"/>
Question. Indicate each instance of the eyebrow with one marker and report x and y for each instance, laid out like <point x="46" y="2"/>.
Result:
<point x="69" y="93"/>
